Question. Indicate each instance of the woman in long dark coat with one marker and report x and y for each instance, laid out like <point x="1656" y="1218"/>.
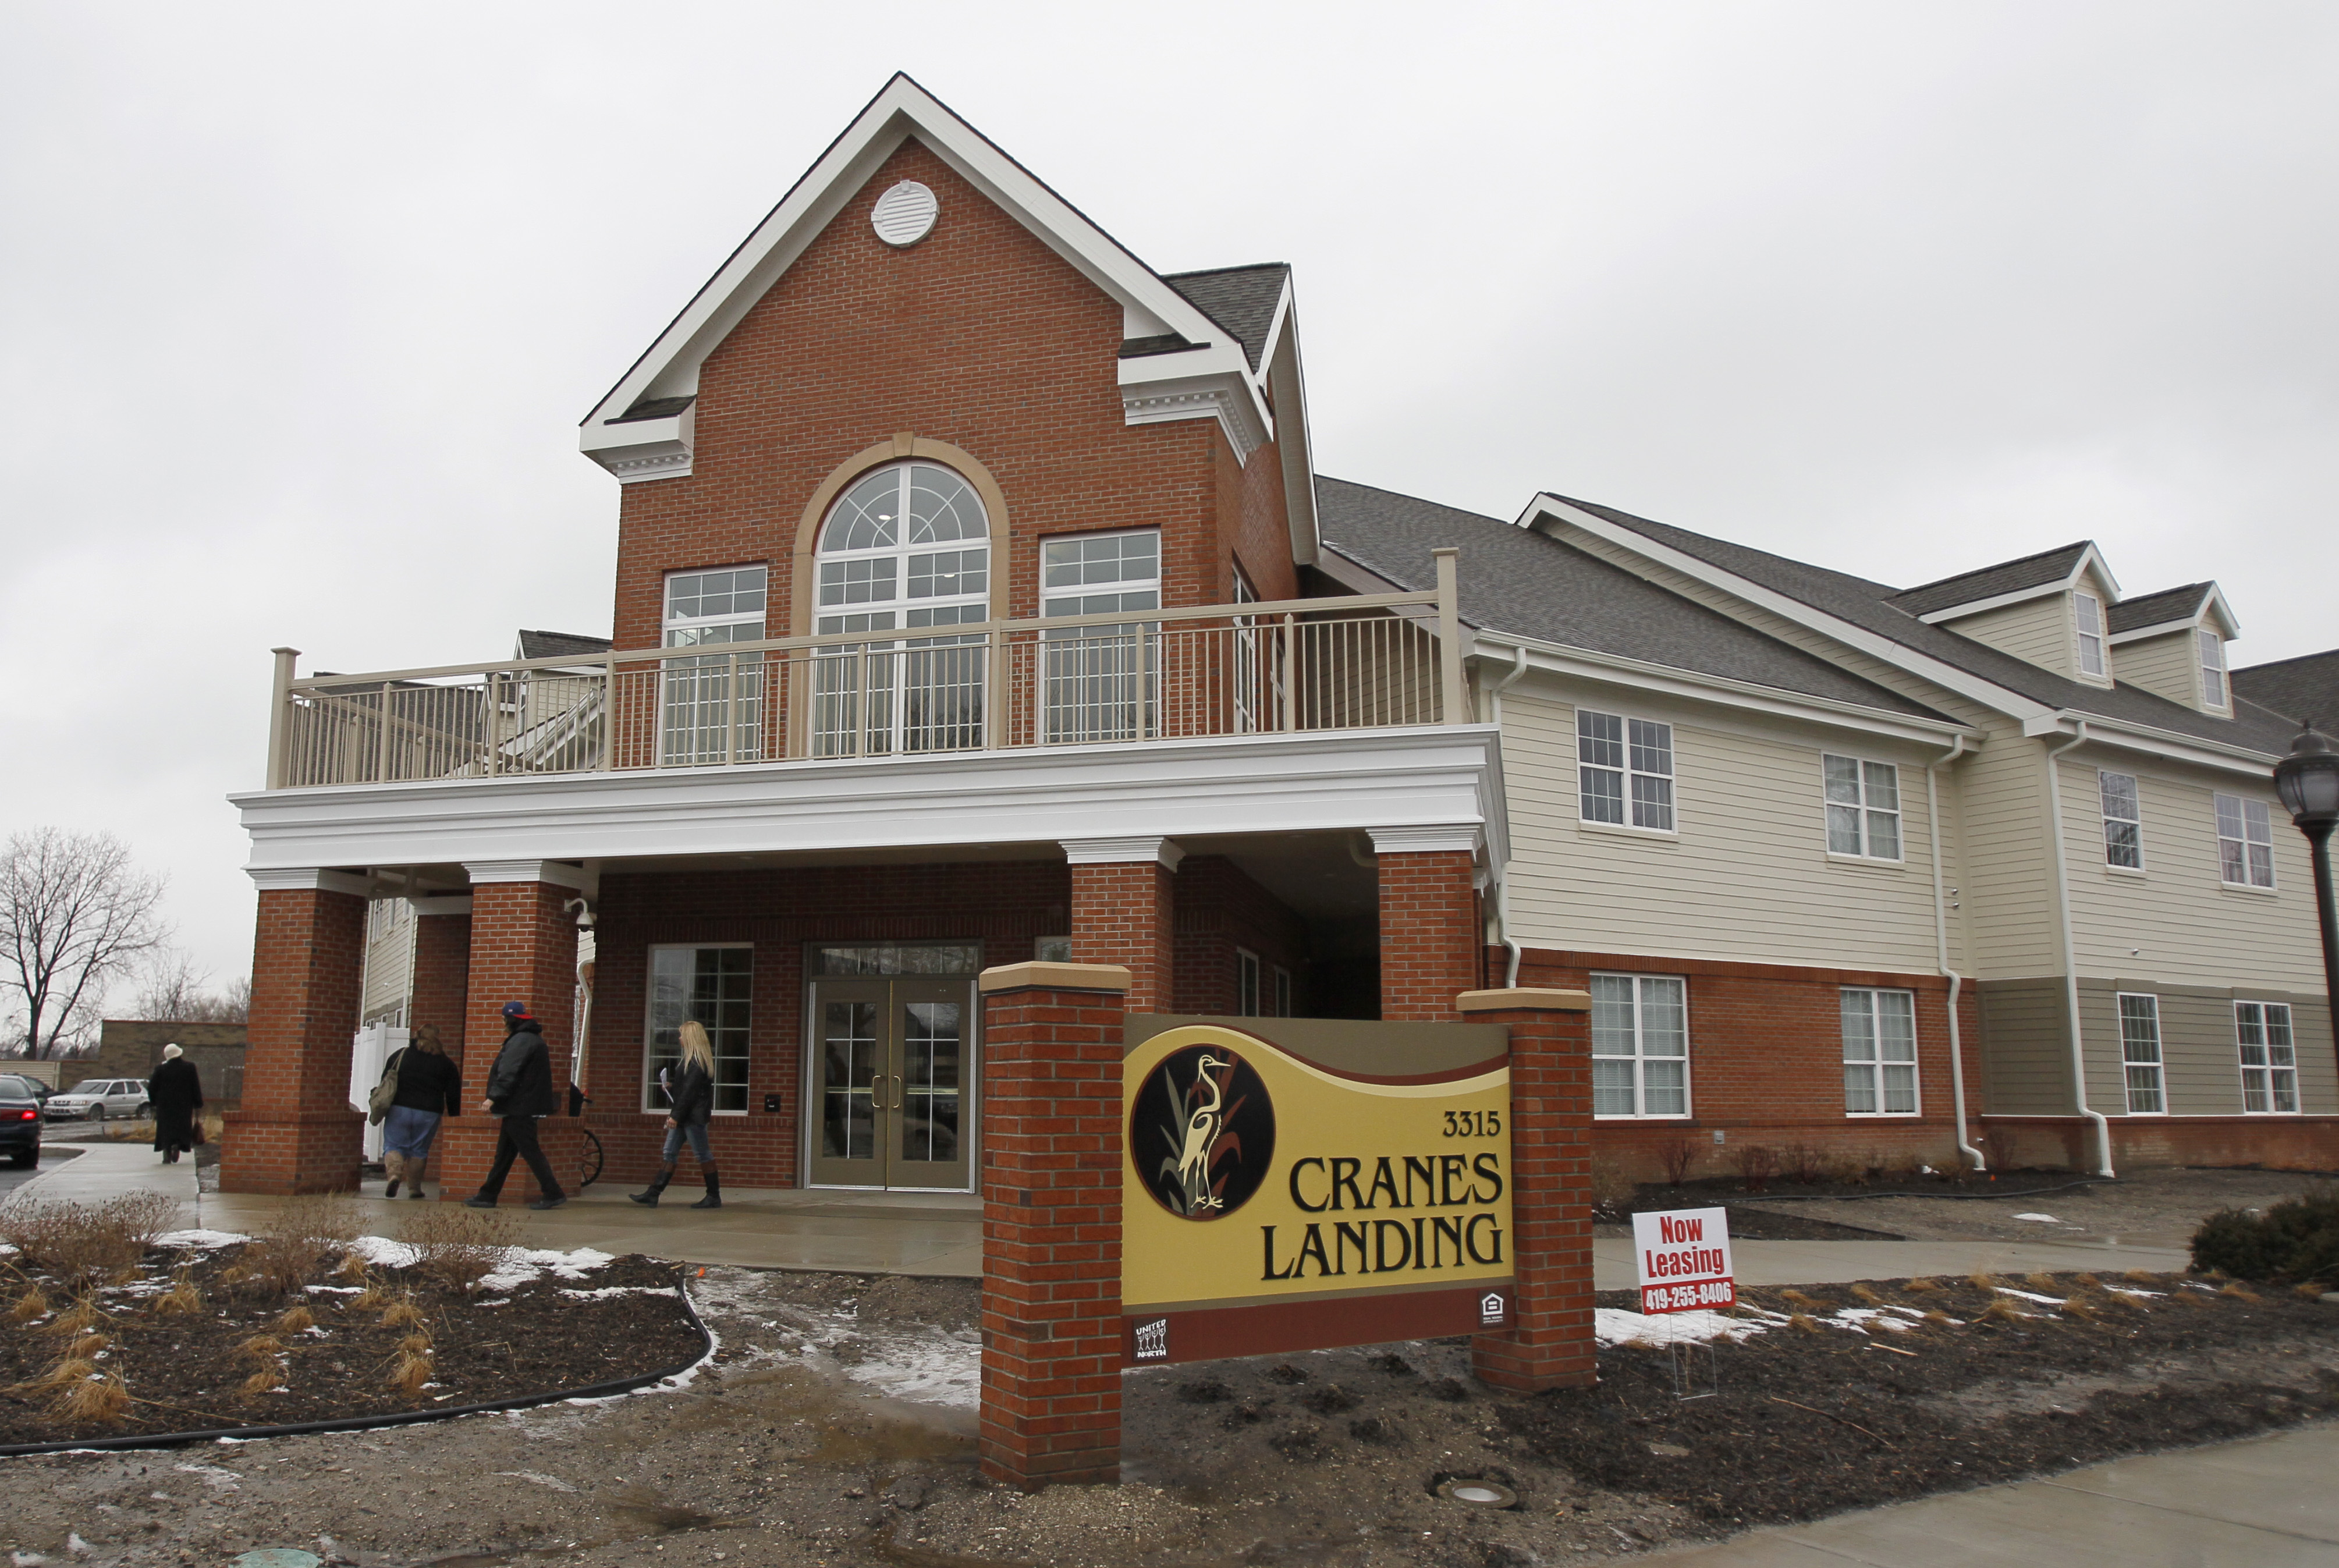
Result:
<point x="174" y="1093"/>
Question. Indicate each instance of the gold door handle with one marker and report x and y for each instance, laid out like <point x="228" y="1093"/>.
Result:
<point x="897" y="1091"/>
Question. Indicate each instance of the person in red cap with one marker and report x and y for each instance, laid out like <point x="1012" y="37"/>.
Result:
<point x="519" y="1090"/>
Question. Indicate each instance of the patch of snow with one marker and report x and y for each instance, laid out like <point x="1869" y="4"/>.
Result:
<point x="2030" y="1296"/>
<point x="2123" y="1290"/>
<point x="1863" y="1317"/>
<point x="199" y="1239"/>
<point x="522" y="1265"/>
<point x="506" y="1301"/>
<point x="336" y="1289"/>
<point x="605" y="1291"/>
<point x="1616" y="1325"/>
<point x="383" y="1252"/>
<point x="219" y="1480"/>
<point x="2039" y="1218"/>
<point x="925" y="1368"/>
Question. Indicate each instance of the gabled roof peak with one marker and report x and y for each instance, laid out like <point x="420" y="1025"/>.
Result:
<point x="2044" y="570"/>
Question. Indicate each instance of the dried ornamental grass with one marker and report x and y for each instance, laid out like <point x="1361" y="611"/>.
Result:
<point x="79" y="1319"/>
<point x="1862" y="1293"/>
<point x="86" y="1346"/>
<point x="1940" y="1319"/>
<point x="2045" y="1284"/>
<point x="1999" y="1310"/>
<point x="183" y="1299"/>
<point x="268" y="1380"/>
<point x="2313" y="1290"/>
<point x="2240" y="1292"/>
<point x="412" y="1367"/>
<point x="1919" y="1286"/>
<point x="64" y="1374"/>
<point x="402" y="1313"/>
<point x="1983" y="1280"/>
<point x="1803" y="1321"/>
<point x="456" y="1247"/>
<point x="2141" y="1277"/>
<point x="292" y="1247"/>
<point x="34" y="1304"/>
<point x="262" y="1347"/>
<point x="298" y="1320"/>
<point x="102" y="1397"/>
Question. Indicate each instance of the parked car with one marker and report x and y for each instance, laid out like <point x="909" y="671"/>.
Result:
<point x="96" y="1099"/>
<point x="20" y="1119"/>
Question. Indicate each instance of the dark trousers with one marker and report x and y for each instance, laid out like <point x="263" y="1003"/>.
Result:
<point x="518" y="1139"/>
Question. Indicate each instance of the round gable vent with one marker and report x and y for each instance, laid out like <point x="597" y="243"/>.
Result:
<point x="904" y="214"/>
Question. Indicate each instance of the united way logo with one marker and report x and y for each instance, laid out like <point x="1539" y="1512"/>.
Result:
<point x="1202" y="1132"/>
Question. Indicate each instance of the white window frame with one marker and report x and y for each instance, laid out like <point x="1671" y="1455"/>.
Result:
<point x="1856" y="812"/>
<point x="2209" y="653"/>
<point x="1246" y="988"/>
<point x="2086" y="609"/>
<point x="2251" y="822"/>
<point x="1640" y="985"/>
<point x="650" y="1103"/>
<point x="1100" y="682"/>
<point x="2277" y="1059"/>
<point x="1873" y="1067"/>
<point x="2131" y="1064"/>
<point x="698" y="710"/>
<point x="2112" y="839"/>
<point x="1282" y="992"/>
<point x="1644" y="794"/>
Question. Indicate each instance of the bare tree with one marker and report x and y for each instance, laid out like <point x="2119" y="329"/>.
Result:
<point x="170" y="989"/>
<point x="74" y="914"/>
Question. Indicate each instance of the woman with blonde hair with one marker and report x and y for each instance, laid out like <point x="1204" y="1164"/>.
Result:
<point x="427" y="1086"/>
<point x="690" y="1103"/>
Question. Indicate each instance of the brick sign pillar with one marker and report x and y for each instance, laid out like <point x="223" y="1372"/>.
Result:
<point x="1124" y="913"/>
<point x="296" y="1132"/>
<point x="523" y="948"/>
<point x="1432" y="936"/>
<point x="1052" y="1179"/>
<point x="1550" y="1343"/>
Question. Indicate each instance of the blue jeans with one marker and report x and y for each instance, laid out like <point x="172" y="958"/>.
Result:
<point x="696" y="1133"/>
<point x="407" y="1132"/>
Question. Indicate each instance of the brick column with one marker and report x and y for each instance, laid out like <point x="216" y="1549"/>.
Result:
<point x="1550" y="1343"/>
<point x="1051" y="1180"/>
<point x="296" y="1132"/>
<point x="1124" y="913"/>
<point x="1432" y="936"/>
<point x="523" y="948"/>
<point x="442" y="969"/>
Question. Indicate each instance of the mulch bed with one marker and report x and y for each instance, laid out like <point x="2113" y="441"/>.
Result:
<point x="1813" y="1418"/>
<point x="186" y="1373"/>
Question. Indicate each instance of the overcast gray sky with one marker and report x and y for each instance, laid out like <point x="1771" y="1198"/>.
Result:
<point x="300" y="305"/>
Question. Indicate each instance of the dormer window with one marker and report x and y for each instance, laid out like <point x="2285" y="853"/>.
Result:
<point x="2213" y="668"/>
<point x="2090" y="612"/>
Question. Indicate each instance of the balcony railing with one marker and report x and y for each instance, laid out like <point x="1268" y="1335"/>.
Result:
<point x="1281" y="667"/>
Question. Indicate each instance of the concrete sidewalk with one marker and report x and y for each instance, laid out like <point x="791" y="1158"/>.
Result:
<point x="2261" y="1503"/>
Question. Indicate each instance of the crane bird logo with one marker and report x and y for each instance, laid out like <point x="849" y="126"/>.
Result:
<point x="1202" y="1117"/>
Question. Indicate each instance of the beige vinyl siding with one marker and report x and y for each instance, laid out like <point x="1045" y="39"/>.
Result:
<point x="2025" y="1046"/>
<point x="2201" y="1064"/>
<point x="2168" y="667"/>
<point x="2177" y="922"/>
<point x="2005" y="875"/>
<point x="2039" y="631"/>
<point x="389" y="966"/>
<point x="1747" y="876"/>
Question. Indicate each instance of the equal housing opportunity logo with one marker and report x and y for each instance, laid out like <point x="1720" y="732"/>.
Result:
<point x="1202" y="1131"/>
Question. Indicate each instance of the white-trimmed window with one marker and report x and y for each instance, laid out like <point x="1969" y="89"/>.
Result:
<point x="703" y="609"/>
<point x="1624" y="768"/>
<point x="1880" y="1052"/>
<point x="1863" y="807"/>
<point x="2213" y="668"/>
<point x="715" y="985"/>
<point x="2123" y="820"/>
<point x="1100" y="681"/>
<point x="2244" y="842"/>
<point x="1245" y="983"/>
<point x="1282" y="992"/>
<point x="2089" y="610"/>
<point x="1640" y="1045"/>
<point x="2269" y="1057"/>
<point x="2139" y="1021"/>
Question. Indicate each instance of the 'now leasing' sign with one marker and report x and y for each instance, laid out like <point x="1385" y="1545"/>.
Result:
<point x="1684" y="1259"/>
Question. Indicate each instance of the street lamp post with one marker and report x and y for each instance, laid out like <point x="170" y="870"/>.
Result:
<point x="2308" y="781"/>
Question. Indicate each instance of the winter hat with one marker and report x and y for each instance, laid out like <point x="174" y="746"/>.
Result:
<point x="170" y="1053"/>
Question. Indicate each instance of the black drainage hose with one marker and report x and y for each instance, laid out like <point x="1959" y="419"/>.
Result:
<point x="399" y="1418"/>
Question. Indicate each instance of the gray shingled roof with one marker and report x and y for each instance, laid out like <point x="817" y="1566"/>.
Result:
<point x="1988" y="582"/>
<point x="561" y="644"/>
<point x="1516" y="580"/>
<point x="2168" y="605"/>
<point x="2301" y="689"/>
<point x="1875" y="608"/>
<point x="1242" y="299"/>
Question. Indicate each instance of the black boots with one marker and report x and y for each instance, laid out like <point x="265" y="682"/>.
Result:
<point x="714" y="1198"/>
<point x="658" y="1184"/>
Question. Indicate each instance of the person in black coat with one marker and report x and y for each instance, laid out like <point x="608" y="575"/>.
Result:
<point x="690" y="1104"/>
<point x="174" y="1094"/>
<point x="519" y="1090"/>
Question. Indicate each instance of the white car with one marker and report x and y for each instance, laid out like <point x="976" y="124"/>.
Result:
<point x="95" y="1098"/>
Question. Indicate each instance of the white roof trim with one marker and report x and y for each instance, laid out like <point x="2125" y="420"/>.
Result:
<point x="2212" y="601"/>
<point x="669" y="369"/>
<point x="2090" y="556"/>
<point x="2234" y="759"/>
<point x="1948" y="677"/>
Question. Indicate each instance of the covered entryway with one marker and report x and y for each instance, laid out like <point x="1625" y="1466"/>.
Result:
<point x="893" y="1070"/>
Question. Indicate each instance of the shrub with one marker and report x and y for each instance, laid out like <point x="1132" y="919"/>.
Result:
<point x="2296" y="1239"/>
<point x="292" y="1249"/>
<point x="1610" y="1190"/>
<point x="1757" y="1164"/>
<point x="1804" y="1164"/>
<point x="84" y="1244"/>
<point x="456" y="1247"/>
<point x="1675" y="1155"/>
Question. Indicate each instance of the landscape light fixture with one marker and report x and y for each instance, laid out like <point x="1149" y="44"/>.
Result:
<point x="2308" y="781"/>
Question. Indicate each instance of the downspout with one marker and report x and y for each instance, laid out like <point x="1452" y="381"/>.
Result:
<point x="1503" y="887"/>
<point x="2070" y="961"/>
<point x="1941" y="940"/>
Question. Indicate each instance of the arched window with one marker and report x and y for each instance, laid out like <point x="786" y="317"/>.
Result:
<point x="906" y="548"/>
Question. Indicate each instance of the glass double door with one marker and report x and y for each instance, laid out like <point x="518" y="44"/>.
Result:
<point x="892" y="1101"/>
